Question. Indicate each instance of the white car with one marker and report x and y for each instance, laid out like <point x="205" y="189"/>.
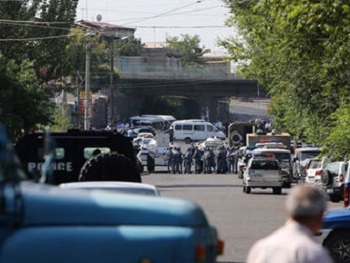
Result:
<point x="263" y="172"/>
<point x="314" y="170"/>
<point x="119" y="187"/>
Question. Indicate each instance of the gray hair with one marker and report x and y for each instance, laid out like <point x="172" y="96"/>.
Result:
<point x="306" y="202"/>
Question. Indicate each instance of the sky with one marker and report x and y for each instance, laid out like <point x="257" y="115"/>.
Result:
<point x="154" y="20"/>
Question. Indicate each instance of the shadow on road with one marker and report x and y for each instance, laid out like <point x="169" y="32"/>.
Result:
<point x="197" y="185"/>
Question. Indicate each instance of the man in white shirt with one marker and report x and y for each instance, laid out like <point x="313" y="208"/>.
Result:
<point x="293" y="242"/>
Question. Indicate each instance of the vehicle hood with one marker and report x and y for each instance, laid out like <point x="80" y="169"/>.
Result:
<point x="337" y="218"/>
<point x="51" y="205"/>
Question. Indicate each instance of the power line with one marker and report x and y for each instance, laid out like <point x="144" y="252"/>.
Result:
<point x="164" y="13"/>
<point x="33" y="38"/>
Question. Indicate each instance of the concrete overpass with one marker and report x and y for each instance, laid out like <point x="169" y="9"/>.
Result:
<point x="211" y="93"/>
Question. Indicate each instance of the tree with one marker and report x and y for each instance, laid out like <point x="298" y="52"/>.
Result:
<point x="299" y="50"/>
<point x="189" y="47"/>
<point x="24" y="103"/>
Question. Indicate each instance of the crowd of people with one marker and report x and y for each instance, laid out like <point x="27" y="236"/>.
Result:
<point x="220" y="160"/>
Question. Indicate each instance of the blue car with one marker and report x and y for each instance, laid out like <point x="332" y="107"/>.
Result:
<point x="335" y="234"/>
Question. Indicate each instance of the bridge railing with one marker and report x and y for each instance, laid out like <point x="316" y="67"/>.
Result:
<point x="162" y="72"/>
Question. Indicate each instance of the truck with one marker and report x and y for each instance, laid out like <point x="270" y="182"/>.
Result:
<point x="45" y="223"/>
<point x="252" y="139"/>
<point x="237" y="132"/>
<point x="74" y="148"/>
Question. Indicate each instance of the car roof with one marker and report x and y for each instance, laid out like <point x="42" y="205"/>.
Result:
<point x="124" y="187"/>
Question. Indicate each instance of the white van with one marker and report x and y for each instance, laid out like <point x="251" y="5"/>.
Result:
<point x="195" y="130"/>
<point x="155" y="122"/>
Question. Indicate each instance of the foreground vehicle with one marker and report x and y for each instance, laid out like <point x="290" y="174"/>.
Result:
<point x="118" y="187"/>
<point x="43" y="223"/>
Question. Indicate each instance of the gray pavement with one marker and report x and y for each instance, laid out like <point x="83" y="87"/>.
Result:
<point x="240" y="219"/>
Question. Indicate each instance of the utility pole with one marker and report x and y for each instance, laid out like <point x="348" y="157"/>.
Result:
<point x="87" y="88"/>
<point x="111" y="90"/>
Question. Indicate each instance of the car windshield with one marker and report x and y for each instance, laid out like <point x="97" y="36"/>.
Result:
<point x="309" y="155"/>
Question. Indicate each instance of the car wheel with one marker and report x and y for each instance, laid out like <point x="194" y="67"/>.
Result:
<point x="248" y="189"/>
<point x="110" y="167"/>
<point x="334" y="198"/>
<point x="188" y="140"/>
<point x="338" y="244"/>
<point x="326" y="178"/>
<point x="277" y="190"/>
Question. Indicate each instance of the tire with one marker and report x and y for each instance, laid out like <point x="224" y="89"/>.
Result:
<point x="110" y="167"/>
<point x="188" y="140"/>
<point x="334" y="198"/>
<point x="248" y="189"/>
<point x="338" y="243"/>
<point x="277" y="190"/>
<point x="326" y="178"/>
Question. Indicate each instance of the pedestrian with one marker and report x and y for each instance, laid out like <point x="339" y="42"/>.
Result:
<point x="294" y="242"/>
<point x="231" y="160"/>
<point x="221" y="162"/>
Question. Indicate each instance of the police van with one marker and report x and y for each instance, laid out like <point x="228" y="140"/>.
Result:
<point x="195" y="130"/>
<point x="73" y="149"/>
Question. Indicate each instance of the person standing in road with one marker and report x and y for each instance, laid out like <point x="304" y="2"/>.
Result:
<point x="293" y="242"/>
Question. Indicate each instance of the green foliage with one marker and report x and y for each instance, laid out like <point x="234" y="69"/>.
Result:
<point x="189" y="47"/>
<point x="61" y="121"/>
<point x="299" y="50"/>
<point x="130" y="46"/>
<point x="24" y="104"/>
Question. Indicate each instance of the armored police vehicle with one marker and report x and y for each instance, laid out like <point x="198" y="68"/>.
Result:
<point x="75" y="155"/>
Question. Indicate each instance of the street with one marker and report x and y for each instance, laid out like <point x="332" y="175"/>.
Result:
<point x="240" y="219"/>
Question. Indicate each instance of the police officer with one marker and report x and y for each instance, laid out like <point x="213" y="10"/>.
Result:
<point x="177" y="157"/>
<point x="198" y="160"/>
<point x="188" y="160"/>
<point x="170" y="156"/>
<point x="221" y="167"/>
<point x="231" y="160"/>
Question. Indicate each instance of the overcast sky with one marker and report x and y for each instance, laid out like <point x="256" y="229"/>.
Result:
<point x="155" y="19"/>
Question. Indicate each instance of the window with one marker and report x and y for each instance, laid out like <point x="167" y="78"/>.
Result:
<point x="210" y="128"/>
<point x="60" y="153"/>
<point x="264" y="165"/>
<point x="198" y="127"/>
<point x="90" y="151"/>
<point x="178" y="127"/>
<point x="187" y="127"/>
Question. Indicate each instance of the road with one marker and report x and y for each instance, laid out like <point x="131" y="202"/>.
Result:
<point x="240" y="219"/>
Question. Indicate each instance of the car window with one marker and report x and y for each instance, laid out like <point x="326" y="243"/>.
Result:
<point x="264" y="165"/>
<point x="315" y="164"/>
<point x="309" y="154"/>
<point x="90" y="151"/>
<point x="199" y="127"/>
<point x="187" y="127"/>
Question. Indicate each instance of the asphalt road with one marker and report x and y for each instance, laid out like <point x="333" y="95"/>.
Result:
<point x="240" y="219"/>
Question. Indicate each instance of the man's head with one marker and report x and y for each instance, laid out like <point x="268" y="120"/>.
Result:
<point x="306" y="205"/>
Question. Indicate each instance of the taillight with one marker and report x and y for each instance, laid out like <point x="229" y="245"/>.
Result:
<point x="341" y="178"/>
<point x="200" y="253"/>
<point x="220" y="247"/>
<point x="318" y="172"/>
<point x="346" y="196"/>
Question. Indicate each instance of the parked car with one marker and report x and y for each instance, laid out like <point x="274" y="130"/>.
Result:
<point x="314" y="170"/>
<point x="335" y="234"/>
<point x="332" y="179"/>
<point x="118" y="187"/>
<point x="263" y="172"/>
<point x="302" y="157"/>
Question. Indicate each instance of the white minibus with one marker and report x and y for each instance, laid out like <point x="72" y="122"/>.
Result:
<point x="195" y="130"/>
